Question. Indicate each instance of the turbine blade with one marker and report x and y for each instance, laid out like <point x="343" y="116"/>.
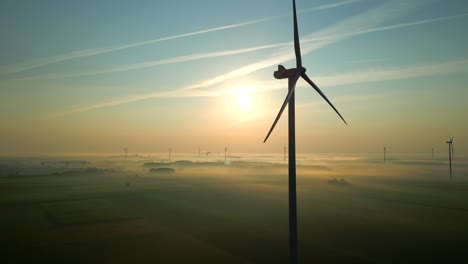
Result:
<point x="297" y="47"/>
<point x="306" y="78"/>
<point x="286" y="101"/>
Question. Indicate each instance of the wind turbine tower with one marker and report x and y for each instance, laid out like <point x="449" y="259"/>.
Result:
<point x="293" y="75"/>
<point x="125" y="151"/>
<point x="450" y="144"/>
<point x="285" y="148"/>
<point x="225" y="153"/>
<point x="385" y="153"/>
<point x="170" y="149"/>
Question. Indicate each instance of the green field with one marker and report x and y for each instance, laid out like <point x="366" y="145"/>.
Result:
<point x="212" y="213"/>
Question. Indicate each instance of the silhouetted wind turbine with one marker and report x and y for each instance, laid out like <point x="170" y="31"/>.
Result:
<point x="293" y="75"/>
<point x="384" y="153"/>
<point x="170" y="149"/>
<point x="125" y="150"/>
<point x="285" y="152"/>
<point x="450" y="142"/>
<point x="225" y="153"/>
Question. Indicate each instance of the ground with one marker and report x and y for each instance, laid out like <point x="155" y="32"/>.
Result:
<point x="209" y="212"/>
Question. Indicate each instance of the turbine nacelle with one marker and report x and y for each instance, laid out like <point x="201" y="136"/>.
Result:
<point x="283" y="73"/>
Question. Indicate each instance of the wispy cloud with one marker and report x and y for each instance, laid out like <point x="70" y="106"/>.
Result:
<point x="364" y="23"/>
<point x="370" y="60"/>
<point x="328" y="6"/>
<point x="375" y="75"/>
<point x="370" y="75"/>
<point x="314" y="42"/>
<point x="135" y="66"/>
<point x="16" y="68"/>
<point x="355" y="77"/>
<point x="434" y="69"/>
<point x="326" y="39"/>
<point x="343" y="99"/>
<point x="97" y="51"/>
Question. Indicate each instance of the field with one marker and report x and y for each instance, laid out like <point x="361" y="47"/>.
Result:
<point x="105" y="209"/>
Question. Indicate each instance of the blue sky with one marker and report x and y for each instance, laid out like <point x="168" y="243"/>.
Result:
<point x="90" y="76"/>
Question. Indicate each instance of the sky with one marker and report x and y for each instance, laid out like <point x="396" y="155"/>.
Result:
<point x="95" y="76"/>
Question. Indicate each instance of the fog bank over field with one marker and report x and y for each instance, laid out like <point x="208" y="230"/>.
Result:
<point x="208" y="210"/>
<point x="310" y="165"/>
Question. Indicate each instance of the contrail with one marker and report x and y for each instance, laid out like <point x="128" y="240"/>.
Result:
<point x="135" y="66"/>
<point x="328" y="6"/>
<point x="358" y="24"/>
<point x="368" y="76"/>
<point x="198" y="56"/>
<point x="444" y="68"/>
<point x="318" y="41"/>
<point x="98" y="51"/>
<point x="16" y="68"/>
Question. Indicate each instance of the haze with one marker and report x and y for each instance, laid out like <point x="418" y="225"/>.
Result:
<point x="77" y="80"/>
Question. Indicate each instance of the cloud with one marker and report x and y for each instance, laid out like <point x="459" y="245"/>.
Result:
<point x="434" y="69"/>
<point x="328" y="6"/>
<point x="313" y="42"/>
<point x="444" y="68"/>
<point x="326" y="39"/>
<point x="135" y="66"/>
<point x="364" y="23"/>
<point x="97" y="51"/>
<point x="374" y="75"/>
<point x="16" y="68"/>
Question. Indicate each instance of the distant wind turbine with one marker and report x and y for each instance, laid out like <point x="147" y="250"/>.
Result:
<point x="285" y="148"/>
<point x="293" y="75"/>
<point x="125" y="150"/>
<point x="170" y="149"/>
<point x="385" y="153"/>
<point x="450" y="144"/>
<point x="225" y="153"/>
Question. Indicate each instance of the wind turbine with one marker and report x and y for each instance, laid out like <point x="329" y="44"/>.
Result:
<point x="170" y="149"/>
<point x="225" y="153"/>
<point x="285" y="152"/>
<point x="293" y="75"/>
<point x="125" y="150"/>
<point x="450" y="142"/>
<point x="384" y="153"/>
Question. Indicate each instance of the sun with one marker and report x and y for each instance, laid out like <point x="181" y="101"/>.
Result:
<point x="243" y="98"/>
<point x="243" y="104"/>
<point x="243" y="101"/>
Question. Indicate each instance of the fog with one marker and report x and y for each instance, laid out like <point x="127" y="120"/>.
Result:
<point x="205" y="209"/>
